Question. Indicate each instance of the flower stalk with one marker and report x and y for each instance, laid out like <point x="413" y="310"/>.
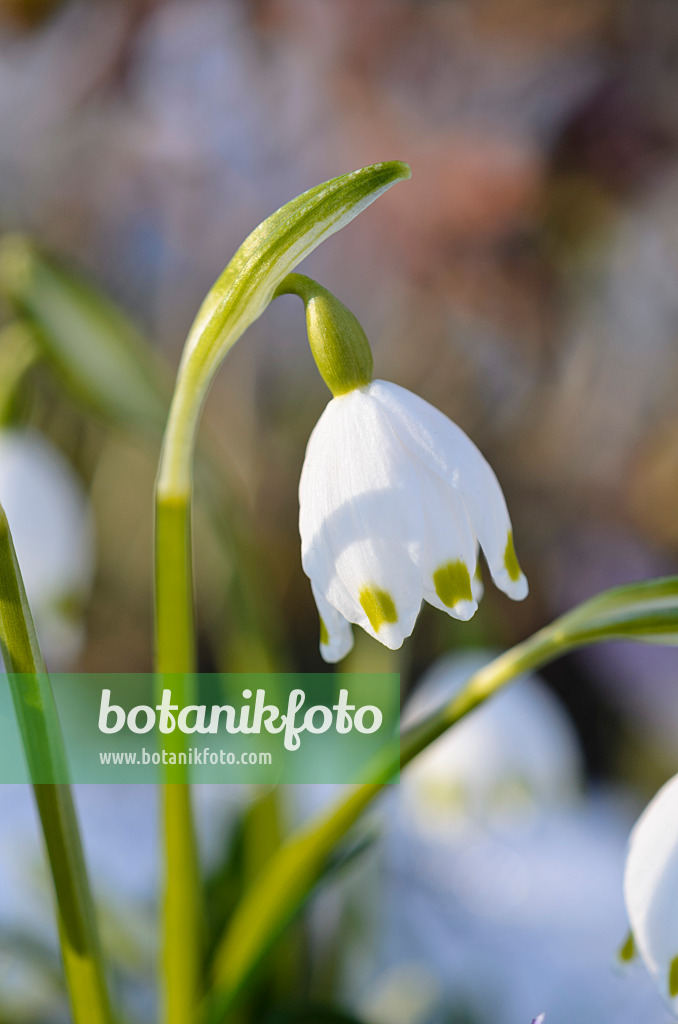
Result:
<point x="175" y="647"/>
<point x="43" y="744"/>
<point x="239" y="296"/>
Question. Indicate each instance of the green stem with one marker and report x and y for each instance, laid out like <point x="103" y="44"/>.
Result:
<point x="238" y="297"/>
<point x="175" y="661"/>
<point x="43" y="743"/>
<point x="282" y="887"/>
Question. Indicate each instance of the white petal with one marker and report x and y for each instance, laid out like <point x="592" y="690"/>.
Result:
<point x="477" y="586"/>
<point x="360" y="518"/>
<point x="651" y="889"/>
<point x="448" y="555"/>
<point x="446" y="449"/>
<point x="336" y="635"/>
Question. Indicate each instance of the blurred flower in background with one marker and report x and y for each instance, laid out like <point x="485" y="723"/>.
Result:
<point x="508" y="763"/>
<point x="501" y="874"/>
<point x="52" y="529"/>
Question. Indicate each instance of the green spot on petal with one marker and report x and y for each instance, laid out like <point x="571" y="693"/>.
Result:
<point x="378" y="607"/>
<point x="511" y="560"/>
<point x="324" y="635"/>
<point x="673" y="977"/>
<point x="453" y="583"/>
<point x="628" y="950"/>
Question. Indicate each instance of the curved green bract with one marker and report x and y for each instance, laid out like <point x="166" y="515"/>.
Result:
<point x="273" y="249"/>
<point x="244" y="290"/>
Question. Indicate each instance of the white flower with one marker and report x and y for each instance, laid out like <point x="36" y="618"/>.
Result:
<point x="394" y="501"/>
<point x="513" y="760"/>
<point x="651" y="889"/>
<point x="52" y="532"/>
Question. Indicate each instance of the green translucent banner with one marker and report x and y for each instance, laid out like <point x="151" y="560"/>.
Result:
<point x="259" y="728"/>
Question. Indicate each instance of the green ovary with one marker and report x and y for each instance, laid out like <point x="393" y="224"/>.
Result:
<point x="453" y="583"/>
<point x="378" y="606"/>
<point x="673" y="977"/>
<point x="511" y="560"/>
<point x="324" y="635"/>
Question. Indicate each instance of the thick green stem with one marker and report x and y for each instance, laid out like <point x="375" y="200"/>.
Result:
<point x="43" y="743"/>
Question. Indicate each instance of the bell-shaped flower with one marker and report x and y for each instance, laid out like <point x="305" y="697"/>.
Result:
<point x="651" y="889"/>
<point x="395" y="501"/>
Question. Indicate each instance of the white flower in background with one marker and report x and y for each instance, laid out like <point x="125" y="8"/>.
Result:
<point x="395" y="501"/>
<point x="514" y="756"/>
<point x="498" y="873"/>
<point x="651" y="889"/>
<point x="52" y="531"/>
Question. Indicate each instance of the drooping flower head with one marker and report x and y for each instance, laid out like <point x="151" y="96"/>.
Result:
<point x="395" y="500"/>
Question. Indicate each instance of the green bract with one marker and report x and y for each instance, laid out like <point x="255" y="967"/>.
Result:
<point x="273" y="250"/>
<point x="246" y="287"/>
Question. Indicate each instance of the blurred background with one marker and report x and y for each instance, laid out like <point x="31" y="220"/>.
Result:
<point x="523" y="281"/>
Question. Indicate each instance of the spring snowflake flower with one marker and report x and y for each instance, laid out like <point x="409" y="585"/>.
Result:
<point x="52" y="530"/>
<point x="513" y="761"/>
<point x="651" y="889"/>
<point x="395" y="501"/>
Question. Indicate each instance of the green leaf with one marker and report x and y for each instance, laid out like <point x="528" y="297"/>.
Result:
<point x="273" y="900"/>
<point x="17" y="355"/>
<point x="646" y="612"/>
<point x="42" y="739"/>
<point x="92" y="346"/>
